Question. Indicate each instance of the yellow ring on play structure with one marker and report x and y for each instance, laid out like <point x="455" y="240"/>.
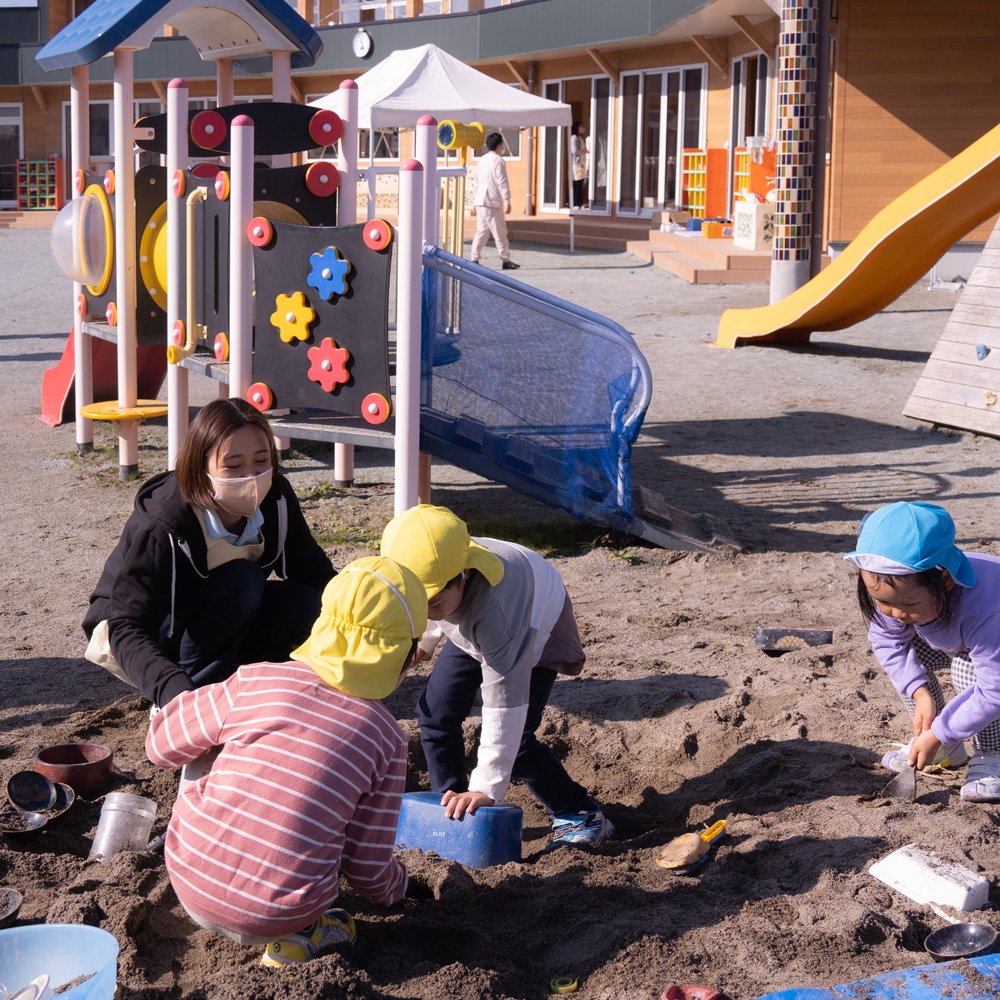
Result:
<point x="153" y="256"/>
<point x="112" y="411"/>
<point x="100" y="287"/>
<point x="279" y="212"/>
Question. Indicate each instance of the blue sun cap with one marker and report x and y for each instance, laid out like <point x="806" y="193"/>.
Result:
<point x="904" y="538"/>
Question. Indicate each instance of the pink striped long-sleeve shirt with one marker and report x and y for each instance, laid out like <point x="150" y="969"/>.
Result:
<point x="308" y="786"/>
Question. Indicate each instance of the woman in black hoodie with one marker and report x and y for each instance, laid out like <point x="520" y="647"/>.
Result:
<point x="186" y="597"/>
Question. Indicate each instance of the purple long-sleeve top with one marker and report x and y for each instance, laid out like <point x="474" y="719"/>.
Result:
<point x="973" y="628"/>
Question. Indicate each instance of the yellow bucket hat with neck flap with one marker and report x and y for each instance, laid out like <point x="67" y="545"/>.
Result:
<point x="435" y="544"/>
<point x="372" y="611"/>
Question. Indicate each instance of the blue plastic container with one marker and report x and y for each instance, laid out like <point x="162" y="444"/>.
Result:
<point x="694" y="225"/>
<point x="492" y="836"/>
<point x="63" y="952"/>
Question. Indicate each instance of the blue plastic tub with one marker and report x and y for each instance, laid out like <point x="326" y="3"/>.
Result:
<point x="492" y="836"/>
<point x="63" y="952"/>
<point x="694" y="225"/>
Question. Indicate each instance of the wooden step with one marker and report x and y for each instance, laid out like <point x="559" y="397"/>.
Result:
<point x="719" y="253"/>
<point x="696" y="270"/>
<point x="33" y="219"/>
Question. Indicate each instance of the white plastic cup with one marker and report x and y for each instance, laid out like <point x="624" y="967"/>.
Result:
<point x="125" y="823"/>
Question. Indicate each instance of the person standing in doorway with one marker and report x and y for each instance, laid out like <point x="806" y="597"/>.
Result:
<point x="579" y="154"/>
<point x="492" y="202"/>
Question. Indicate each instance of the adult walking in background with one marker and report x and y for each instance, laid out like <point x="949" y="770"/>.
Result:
<point x="492" y="202"/>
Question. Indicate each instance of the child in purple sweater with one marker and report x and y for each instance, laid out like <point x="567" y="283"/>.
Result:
<point x="929" y="605"/>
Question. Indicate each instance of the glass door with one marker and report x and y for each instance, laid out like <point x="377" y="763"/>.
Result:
<point x="592" y="101"/>
<point x="11" y="150"/>
<point x="663" y="111"/>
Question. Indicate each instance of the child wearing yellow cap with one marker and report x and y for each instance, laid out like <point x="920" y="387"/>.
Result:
<point x="310" y="777"/>
<point x="510" y="632"/>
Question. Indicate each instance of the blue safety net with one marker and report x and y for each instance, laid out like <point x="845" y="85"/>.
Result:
<point x="527" y="389"/>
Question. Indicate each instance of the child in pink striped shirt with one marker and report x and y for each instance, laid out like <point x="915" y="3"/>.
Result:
<point x="310" y="777"/>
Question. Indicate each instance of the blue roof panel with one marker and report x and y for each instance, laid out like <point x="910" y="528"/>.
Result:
<point x="105" y="24"/>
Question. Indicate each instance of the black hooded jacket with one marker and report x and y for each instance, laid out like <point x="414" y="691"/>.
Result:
<point x="159" y="569"/>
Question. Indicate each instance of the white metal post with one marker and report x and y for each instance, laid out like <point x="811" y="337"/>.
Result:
<point x="427" y="155"/>
<point x="224" y="89"/>
<point x="177" y="160"/>
<point x="83" y="357"/>
<point x="240" y="257"/>
<point x="347" y="215"/>
<point x="128" y="430"/>
<point x="281" y="93"/>
<point x="408" y="265"/>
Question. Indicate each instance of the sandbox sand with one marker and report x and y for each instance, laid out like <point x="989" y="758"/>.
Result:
<point x="677" y="721"/>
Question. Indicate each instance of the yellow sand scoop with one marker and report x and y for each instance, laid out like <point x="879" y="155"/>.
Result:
<point x="690" y="849"/>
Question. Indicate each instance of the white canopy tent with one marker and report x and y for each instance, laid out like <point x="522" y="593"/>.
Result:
<point x="428" y="81"/>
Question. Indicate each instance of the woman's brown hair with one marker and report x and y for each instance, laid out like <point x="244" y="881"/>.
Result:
<point x="210" y="429"/>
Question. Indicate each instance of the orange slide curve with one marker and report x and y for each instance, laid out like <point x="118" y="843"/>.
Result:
<point x="899" y="245"/>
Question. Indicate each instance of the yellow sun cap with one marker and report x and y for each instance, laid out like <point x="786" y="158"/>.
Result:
<point x="372" y="611"/>
<point x="435" y="544"/>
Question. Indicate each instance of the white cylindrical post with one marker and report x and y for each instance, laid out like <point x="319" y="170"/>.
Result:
<point x="83" y="358"/>
<point x="128" y="430"/>
<point x="347" y="155"/>
<point x="225" y="95"/>
<point x="427" y="155"/>
<point x="240" y="257"/>
<point x="347" y="215"/>
<point x="281" y="93"/>
<point x="408" y="264"/>
<point x="177" y="162"/>
<point x="224" y="88"/>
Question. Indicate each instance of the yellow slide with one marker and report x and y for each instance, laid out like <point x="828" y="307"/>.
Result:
<point x="899" y="245"/>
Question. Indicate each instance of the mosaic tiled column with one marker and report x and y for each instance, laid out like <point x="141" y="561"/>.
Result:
<point x="796" y="139"/>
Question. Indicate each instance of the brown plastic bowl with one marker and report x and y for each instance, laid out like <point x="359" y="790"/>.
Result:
<point x="85" y="767"/>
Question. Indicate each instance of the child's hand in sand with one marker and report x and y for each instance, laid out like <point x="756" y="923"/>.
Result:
<point x="924" y="711"/>
<point x="923" y="749"/>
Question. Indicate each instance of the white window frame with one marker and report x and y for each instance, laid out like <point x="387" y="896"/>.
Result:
<point x="19" y="118"/>
<point x="641" y="212"/>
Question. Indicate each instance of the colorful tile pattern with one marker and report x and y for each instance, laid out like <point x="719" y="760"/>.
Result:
<point x="797" y="53"/>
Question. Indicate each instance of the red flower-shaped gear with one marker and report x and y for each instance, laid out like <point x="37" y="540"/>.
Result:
<point x="329" y="364"/>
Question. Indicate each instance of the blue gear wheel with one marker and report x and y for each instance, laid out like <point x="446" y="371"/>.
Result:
<point x="329" y="273"/>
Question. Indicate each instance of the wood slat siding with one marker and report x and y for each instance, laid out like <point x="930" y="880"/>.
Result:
<point x="956" y="387"/>
<point x="916" y="83"/>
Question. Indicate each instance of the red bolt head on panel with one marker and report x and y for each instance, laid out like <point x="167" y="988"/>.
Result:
<point x="179" y="183"/>
<point x="325" y="127"/>
<point x="109" y="181"/>
<point x="208" y="129"/>
<point x="322" y="179"/>
<point x="222" y="185"/>
<point x="112" y="314"/>
<point x="259" y="231"/>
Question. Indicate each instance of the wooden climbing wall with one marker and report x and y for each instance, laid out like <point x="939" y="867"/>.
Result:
<point x="960" y="386"/>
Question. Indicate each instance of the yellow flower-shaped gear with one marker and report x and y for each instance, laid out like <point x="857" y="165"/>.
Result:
<point x="292" y="317"/>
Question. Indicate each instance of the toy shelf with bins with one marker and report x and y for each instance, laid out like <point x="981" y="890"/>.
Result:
<point x="704" y="183"/>
<point x="40" y="184"/>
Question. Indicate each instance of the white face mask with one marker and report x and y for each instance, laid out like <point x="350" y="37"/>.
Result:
<point x="242" y="496"/>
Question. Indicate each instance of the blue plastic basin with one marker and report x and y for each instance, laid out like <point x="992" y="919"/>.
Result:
<point x="492" y="836"/>
<point x="63" y="952"/>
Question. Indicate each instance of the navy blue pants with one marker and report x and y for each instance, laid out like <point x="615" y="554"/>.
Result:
<point x="447" y="702"/>
<point x="242" y="618"/>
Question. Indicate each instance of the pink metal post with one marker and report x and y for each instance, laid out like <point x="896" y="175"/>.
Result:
<point x="128" y="430"/>
<point x="83" y="379"/>
<point x="240" y="257"/>
<point x="408" y="264"/>
<point x="177" y="160"/>
<point x="347" y="215"/>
